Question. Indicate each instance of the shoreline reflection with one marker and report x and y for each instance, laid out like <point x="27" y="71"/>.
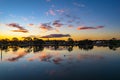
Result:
<point x="58" y="61"/>
<point x="55" y="56"/>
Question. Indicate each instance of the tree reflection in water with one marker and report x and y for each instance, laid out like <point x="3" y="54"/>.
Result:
<point x="41" y="55"/>
<point x="55" y="60"/>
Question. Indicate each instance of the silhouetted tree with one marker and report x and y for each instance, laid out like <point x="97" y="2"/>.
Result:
<point x="70" y="41"/>
<point x="28" y="40"/>
<point x="37" y="41"/>
<point x="5" y="41"/>
<point x="113" y="41"/>
<point x="14" y="41"/>
<point x="85" y="42"/>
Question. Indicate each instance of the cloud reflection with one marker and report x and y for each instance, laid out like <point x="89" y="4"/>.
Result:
<point x="51" y="57"/>
<point x="41" y="57"/>
<point x="17" y="56"/>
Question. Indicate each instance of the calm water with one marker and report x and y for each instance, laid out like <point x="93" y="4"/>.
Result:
<point x="59" y="63"/>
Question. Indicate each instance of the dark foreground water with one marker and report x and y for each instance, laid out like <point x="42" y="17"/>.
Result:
<point x="59" y="63"/>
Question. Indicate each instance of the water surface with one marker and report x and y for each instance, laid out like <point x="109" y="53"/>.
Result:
<point x="59" y="63"/>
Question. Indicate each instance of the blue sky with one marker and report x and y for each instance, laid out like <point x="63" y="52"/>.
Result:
<point x="77" y="13"/>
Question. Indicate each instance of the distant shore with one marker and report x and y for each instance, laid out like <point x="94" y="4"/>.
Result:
<point x="69" y="42"/>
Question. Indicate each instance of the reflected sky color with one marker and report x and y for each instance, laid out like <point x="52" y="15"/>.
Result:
<point x="81" y="19"/>
<point x="61" y="63"/>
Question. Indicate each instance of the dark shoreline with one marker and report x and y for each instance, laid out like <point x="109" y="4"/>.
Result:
<point x="70" y="42"/>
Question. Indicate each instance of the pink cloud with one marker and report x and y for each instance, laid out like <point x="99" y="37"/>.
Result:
<point x="42" y="57"/>
<point x="52" y="12"/>
<point x="89" y="28"/>
<point x="19" y="28"/>
<point x="18" y="56"/>
<point x="46" y="27"/>
<point x="30" y="24"/>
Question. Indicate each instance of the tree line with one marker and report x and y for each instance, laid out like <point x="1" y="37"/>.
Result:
<point x="70" y="42"/>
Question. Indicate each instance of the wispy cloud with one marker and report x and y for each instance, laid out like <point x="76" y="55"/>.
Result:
<point x="46" y="27"/>
<point x="31" y="24"/>
<point x="78" y="4"/>
<point x="70" y="26"/>
<point x="24" y="31"/>
<point x="60" y="10"/>
<point x="32" y="36"/>
<point x="24" y="18"/>
<point x="20" y="28"/>
<point x="56" y="36"/>
<point x="52" y="12"/>
<point x="57" y="23"/>
<point x="89" y="28"/>
<point x="43" y="26"/>
<point x="71" y="19"/>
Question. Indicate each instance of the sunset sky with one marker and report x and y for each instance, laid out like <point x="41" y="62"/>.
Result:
<point x="60" y="19"/>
